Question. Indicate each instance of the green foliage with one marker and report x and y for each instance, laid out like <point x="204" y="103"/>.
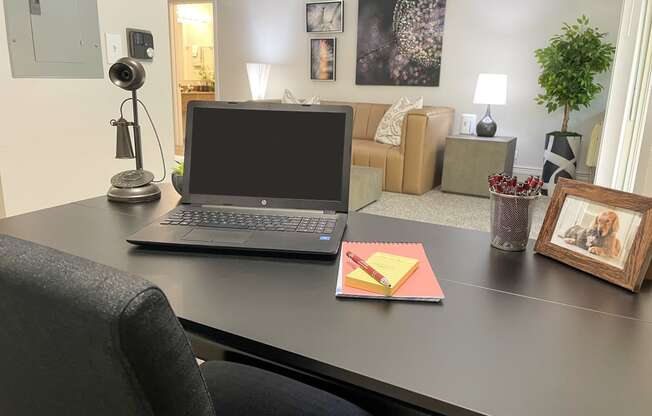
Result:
<point x="178" y="170"/>
<point x="569" y="65"/>
<point x="207" y="77"/>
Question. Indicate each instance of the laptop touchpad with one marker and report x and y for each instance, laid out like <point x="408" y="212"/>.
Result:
<point x="216" y="236"/>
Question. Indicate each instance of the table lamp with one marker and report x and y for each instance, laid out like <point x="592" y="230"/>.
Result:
<point x="258" y="76"/>
<point x="490" y="89"/>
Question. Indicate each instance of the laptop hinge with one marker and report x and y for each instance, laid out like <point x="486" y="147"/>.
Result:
<point x="332" y="212"/>
<point x="259" y="209"/>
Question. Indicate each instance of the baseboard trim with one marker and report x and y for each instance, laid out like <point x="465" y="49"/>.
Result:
<point x="527" y="171"/>
<point x="581" y="175"/>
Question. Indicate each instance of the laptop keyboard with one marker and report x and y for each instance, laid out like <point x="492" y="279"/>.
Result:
<point x="241" y="221"/>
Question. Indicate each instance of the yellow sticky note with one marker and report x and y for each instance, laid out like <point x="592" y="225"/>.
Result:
<point x="395" y="268"/>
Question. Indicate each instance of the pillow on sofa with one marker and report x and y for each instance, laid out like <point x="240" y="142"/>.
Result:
<point x="289" y="98"/>
<point x="389" y="128"/>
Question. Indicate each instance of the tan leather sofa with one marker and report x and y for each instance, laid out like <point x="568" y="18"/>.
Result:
<point x="415" y="166"/>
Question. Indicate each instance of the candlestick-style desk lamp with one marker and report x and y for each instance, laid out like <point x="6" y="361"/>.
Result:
<point x="131" y="185"/>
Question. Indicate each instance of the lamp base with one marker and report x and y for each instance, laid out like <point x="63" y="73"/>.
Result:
<point x="133" y="186"/>
<point x="487" y="126"/>
<point x="145" y="193"/>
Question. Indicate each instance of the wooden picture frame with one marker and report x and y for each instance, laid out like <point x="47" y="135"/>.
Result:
<point x="629" y="267"/>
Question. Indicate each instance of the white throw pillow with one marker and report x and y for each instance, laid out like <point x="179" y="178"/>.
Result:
<point x="289" y="98"/>
<point x="390" y="127"/>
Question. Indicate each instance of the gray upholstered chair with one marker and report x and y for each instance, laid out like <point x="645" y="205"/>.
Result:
<point x="79" y="338"/>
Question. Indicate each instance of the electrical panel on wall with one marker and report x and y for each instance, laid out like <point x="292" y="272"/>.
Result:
<point x="141" y="44"/>
<point x="54" y="38"/>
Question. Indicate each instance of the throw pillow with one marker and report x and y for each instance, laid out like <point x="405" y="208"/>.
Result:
<point x="390" y="127"/>
<point x="289" y="98"/>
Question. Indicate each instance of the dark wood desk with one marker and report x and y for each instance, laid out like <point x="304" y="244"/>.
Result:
<point x="518" y="334"/>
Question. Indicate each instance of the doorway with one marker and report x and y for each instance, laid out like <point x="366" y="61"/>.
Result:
<point x="193" y="59"/>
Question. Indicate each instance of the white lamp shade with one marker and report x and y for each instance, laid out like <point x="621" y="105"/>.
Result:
<point x="258" y="76"/>
<point x="491" y="89"/>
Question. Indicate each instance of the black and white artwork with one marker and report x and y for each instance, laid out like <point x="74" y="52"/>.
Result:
<point x="325" y="17"/>
<point x="400" y="42"/>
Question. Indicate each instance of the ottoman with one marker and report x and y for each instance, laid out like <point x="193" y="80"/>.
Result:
<point x="366" y="186"/>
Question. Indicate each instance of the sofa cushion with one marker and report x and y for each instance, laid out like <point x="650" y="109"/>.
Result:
<point x="391" y="125"/>
<point x="381" y="156"/>
<point x="394" y="170"/>
<point x="366" y="117"/>
<point x="289" y="98"/>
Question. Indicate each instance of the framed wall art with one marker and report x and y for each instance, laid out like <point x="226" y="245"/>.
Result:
<point x="400" y="42"/>
<point x="323" y="59"/>
<point x="325" y="17"/>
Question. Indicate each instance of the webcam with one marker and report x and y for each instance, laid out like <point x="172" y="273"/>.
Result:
<point x="127" y="73"/>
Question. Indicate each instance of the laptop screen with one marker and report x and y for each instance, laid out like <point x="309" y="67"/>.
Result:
<point x="267" y="153"/>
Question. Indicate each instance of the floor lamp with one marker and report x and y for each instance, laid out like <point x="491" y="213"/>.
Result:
<point x="258" y="77"/>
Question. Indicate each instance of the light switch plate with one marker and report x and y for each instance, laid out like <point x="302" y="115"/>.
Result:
<point x="35" y="7"/>
<point x="113" y="47"/>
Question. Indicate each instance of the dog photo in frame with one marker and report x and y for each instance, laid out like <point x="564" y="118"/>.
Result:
<point x="601" y="231"/>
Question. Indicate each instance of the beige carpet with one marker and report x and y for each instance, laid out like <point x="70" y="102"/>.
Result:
<point x="437" y="207"/>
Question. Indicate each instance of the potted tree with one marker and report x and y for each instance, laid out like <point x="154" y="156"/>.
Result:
<point x="569" y="67"/>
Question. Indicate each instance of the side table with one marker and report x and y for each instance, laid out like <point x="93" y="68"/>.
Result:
<point x="469" y="160"/>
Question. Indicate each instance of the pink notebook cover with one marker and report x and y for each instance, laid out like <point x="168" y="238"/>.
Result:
<point x="422" y="285"/>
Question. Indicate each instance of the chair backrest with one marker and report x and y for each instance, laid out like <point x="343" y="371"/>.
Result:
<point x="79" y="338"/>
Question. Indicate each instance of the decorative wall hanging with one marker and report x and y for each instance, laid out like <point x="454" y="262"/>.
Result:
<point x="325" y="17"/>
<point x="400" y="42"/>
<point x="322" y="59"/>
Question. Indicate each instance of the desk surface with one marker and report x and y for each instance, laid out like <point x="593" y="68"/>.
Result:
<point x="518" y="333"/>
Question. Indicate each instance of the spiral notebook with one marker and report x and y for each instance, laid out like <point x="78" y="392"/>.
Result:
<point x="420" y="285"/>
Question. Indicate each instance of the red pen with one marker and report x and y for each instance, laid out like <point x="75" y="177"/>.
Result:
<point x="368" y="269"/>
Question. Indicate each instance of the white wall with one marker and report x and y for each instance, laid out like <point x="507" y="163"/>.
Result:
<point x="56" y="144"/>
<point x="2" y="201"/>
<point x="643" y="183"/>
<point x="480" y="36"/>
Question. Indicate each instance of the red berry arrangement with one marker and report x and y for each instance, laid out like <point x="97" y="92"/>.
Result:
<point x="509" y="185"/>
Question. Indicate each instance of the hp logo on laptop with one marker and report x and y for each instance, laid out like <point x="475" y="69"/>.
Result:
<point x="263" y="202"/>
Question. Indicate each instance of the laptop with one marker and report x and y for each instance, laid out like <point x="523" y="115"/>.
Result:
<point x="261" y="176"/>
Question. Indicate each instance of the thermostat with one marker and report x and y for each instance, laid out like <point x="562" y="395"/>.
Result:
<point x="141" y="44"/>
